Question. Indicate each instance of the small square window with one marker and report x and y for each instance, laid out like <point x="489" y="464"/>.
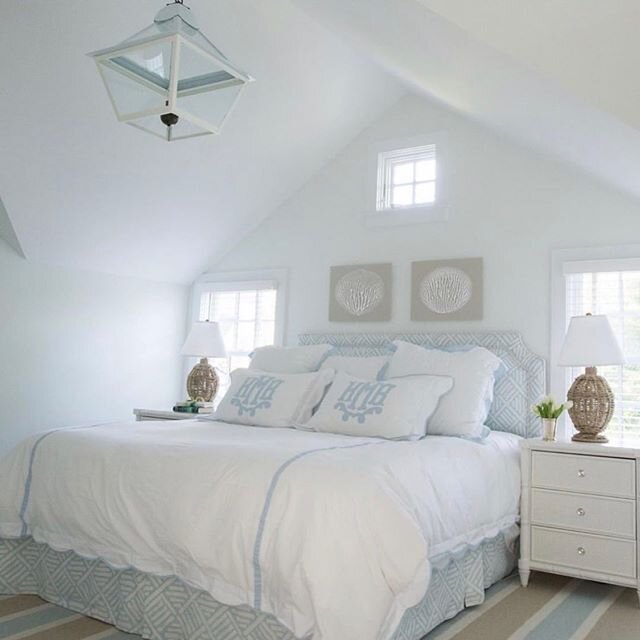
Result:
<point x="407" y="178"/>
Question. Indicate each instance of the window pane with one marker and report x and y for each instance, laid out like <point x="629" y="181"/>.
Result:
<point x="403" y="173"/>
<point x="246" y="337"/>
<point x="225" y="305"/>
<point x="425" y="170"/>
<point x="425" y="193"/>
<point x="247" y="321"/>
<point x="205" y="311"/>
<point x="247" y="305"/>
<point x="267" y="304"/>
<point x="228" y="328"/>
<point x="265" y="333"/>
<point x="402" y="196"/>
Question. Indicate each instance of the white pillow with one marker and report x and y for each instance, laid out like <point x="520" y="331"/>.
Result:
<point x="464" y="411"/>
<point x="272" y="400"/>
<point x="289" y="359"/>
<point x="366" y="368"/>
<point x="394" y="409"/>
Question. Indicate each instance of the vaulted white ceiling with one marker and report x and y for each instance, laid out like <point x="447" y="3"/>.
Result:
<point x="588" y="46"/>
<point x="475" y="61"/>
<point x="84" y="191"/>
<point x="87" y="192"/>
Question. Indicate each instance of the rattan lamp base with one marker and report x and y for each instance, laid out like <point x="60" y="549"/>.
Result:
<point x="593" y="406"/>
<point x="202" y="383"/>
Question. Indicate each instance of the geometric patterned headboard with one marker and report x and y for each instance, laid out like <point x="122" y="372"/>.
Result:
<point x="521" y="386"/>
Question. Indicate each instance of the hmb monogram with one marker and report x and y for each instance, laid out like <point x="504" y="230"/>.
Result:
<point x="255" y="393"/>
<point x="361" y="399"/>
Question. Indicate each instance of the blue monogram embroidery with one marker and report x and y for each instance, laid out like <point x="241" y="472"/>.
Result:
<point x="255" y="393"/>
<point x="361" y="399"/>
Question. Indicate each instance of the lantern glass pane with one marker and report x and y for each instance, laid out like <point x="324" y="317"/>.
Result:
<point x="150" y="64"/>
<point x="199" y="71"/>
<point x="129" y="95"/>
<point x="183" y="129"/>
<point x="211" y="106"/>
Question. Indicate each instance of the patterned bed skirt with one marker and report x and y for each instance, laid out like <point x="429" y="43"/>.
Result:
<point x="165" y="608"/>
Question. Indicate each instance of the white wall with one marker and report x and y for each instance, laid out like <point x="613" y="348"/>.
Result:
<point x="78" y="348"/>
<point x="507" y="204"/>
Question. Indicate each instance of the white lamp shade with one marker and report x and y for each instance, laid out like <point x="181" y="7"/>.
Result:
<point x="205" y="341"/>
<point x="590" y="342"/>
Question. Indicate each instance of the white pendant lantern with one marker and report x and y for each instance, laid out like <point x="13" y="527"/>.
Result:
<point x="169" y="79"/>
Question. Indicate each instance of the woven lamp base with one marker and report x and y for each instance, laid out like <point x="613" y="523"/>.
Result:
<point x="593" y="406"/>
<point x="202" y="383"/>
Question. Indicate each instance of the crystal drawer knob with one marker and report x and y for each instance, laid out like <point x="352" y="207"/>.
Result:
<point x="581" y="512"/>
<point x="581" y="473"/>
<point x="581" y="551"/>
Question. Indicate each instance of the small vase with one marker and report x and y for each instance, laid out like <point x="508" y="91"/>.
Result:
<point x="549" y="429"/>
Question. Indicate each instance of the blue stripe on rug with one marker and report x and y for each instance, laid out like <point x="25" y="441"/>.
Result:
<point x="569" y="615"/>
<point x="29" y="621"/>
<point x="489" y="593"/>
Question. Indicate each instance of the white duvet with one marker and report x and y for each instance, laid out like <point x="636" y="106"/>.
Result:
<point x="333" y="535"/>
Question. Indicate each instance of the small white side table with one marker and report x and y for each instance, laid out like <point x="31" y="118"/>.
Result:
<point x="146" y="415"/>
<point x="581" y="511"/>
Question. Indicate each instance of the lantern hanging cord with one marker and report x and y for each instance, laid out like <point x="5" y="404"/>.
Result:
<point x="177" y="2"/>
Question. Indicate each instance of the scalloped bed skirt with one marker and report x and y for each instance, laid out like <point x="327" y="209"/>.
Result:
<point x="165" y="608"/>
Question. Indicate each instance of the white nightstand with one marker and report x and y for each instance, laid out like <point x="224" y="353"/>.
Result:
<point x="580" y="511"/>
<point x="145" y="415"/>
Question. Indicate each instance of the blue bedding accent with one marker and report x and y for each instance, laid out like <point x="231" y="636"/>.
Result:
<point x="29" y="480"/>
<point x="257" y="569"/>
<point x="165" y="608"/>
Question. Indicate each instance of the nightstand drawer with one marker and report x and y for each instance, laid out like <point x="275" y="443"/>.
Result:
<point x="584" y="474"/>
<point x="607" y="516"/>
<point x="584" y="552"/>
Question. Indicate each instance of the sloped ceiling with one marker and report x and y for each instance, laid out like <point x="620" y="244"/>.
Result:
<point x="7" y="232"/>
<point x="87" y="192"/>
<point x="465" y="69"/>
<point x="588" y="46"/>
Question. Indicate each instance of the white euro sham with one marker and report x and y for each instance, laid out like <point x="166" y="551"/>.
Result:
<point x="464" y="410"/>
<point x="366" y="368"/>
<point x="289" y="359"/>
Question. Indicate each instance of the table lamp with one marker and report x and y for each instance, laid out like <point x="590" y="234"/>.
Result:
<point x="590" y="342"/>
<point x="204" y="341"/>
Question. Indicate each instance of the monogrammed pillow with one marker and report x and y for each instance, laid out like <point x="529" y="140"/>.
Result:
<point x="266" y="399"/>
<point x="396" y="409"/>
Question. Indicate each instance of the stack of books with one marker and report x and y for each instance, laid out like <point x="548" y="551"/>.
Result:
<point x="193" y="407"/>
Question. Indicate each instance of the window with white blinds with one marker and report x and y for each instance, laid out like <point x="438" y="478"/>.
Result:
<point x="604" y="287"/>
<point x="247" y="318"/>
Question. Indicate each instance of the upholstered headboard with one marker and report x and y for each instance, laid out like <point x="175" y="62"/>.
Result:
<point x="522" y="384"/>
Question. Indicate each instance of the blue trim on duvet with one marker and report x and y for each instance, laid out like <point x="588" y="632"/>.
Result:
<point x="29" y="480"/>
<point x="257" y="569"/>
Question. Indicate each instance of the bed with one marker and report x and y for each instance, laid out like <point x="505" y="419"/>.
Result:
<point x="189" y="530"/>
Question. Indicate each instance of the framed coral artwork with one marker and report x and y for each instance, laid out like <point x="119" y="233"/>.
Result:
<point x="447" y="290"/>
<point x="360" y="293"/>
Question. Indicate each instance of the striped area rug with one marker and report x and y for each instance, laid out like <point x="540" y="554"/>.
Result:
<point x="551" y="608"/>
<point x="29" y="618"/>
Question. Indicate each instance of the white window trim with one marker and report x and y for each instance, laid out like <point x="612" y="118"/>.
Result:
<point x="245" y="280"/>
<point x="435" y="212"/>
<point x="611" y="258"/>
